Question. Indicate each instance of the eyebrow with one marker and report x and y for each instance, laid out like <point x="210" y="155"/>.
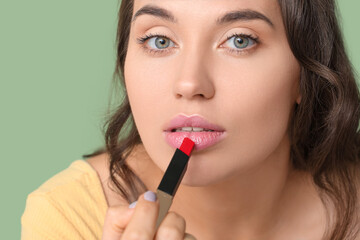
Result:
<point x="229" y="17"/>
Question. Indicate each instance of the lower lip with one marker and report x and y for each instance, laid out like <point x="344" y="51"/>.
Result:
<point x="202" y="140"/>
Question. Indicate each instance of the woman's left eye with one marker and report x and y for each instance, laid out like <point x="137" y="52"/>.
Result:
<point x="240" y="42"/>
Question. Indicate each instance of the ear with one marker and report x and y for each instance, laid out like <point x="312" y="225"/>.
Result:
<point x="298" y="99"/>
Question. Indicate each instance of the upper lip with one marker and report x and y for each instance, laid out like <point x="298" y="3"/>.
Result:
<point x="192" y="121"/>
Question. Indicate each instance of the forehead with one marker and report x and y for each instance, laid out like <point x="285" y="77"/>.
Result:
<point x="210" y="10"/>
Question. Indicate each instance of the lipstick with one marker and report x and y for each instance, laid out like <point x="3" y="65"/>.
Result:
<point x="172" y="178"/>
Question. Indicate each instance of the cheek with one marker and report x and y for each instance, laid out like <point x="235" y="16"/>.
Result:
<point x="260" y="95"/>
<point x="146" y="87"/>
<point x="144" y="79"/>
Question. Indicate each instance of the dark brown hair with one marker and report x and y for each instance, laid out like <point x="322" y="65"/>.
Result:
<point x="324" y="129"/>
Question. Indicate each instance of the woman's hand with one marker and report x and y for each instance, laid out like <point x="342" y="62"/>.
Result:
<point x="124" y="223"/>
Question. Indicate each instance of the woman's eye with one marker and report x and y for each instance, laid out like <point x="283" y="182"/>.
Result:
<point x="156" y="43"/>
<point x="160" y="42"/>
<point x="239" y="42"/>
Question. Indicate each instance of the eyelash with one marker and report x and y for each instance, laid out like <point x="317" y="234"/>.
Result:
<point x="143" y="39"/>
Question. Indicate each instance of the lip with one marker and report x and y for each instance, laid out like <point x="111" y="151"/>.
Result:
<point x="202" y="140"/>
<point x="192" y="121"/>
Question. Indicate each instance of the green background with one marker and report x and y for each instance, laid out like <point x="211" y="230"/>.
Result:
<point x="56" y="65"/>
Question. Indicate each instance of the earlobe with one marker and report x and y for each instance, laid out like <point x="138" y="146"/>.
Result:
<point x="298" y="99"/>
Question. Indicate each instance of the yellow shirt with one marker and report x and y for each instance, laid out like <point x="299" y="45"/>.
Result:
<point x="70" y="205"/>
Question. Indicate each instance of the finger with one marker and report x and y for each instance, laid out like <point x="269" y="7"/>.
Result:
<point x="116" y="220"/>
<point x="143" y="221"/>
<point x="172" y="227"/>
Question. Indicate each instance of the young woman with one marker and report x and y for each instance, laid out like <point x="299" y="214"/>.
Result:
<point x="270" y="88"/>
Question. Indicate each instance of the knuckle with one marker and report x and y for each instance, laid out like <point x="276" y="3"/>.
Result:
<point x="116" y="228"/>
<point x="137" y="235"/>
<point x="170" y="233"/>
<point x="178" y="218"/>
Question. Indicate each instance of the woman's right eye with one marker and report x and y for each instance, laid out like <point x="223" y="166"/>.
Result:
<point x="156" y="43"/>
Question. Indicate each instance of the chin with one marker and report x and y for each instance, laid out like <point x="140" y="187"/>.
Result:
<point x="196" y="176"/>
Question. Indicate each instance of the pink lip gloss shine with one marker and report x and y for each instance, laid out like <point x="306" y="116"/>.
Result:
<point x="202" y="140"/>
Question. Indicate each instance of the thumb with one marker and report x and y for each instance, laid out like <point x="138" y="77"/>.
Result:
<point x="116" y="220"/>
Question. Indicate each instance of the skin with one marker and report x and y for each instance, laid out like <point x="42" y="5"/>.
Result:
<point x="243" y="187"/>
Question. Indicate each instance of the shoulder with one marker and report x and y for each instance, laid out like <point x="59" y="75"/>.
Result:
<point x="72" y="183"/>
<point x="101" y="164"/>
<point x="72" y="201"/>
<point x="78" y="175"/>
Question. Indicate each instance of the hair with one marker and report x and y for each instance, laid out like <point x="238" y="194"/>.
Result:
<point x="324" y="126"/>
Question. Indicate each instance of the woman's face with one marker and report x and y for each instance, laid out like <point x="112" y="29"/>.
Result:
<point x="238" y="73"/>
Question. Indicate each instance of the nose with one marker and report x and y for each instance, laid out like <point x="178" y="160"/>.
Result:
<point x="193" y="79"/>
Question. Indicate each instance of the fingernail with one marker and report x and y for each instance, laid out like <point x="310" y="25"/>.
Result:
<point x="150" y="196"/>
<point x="132" y="205"/>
